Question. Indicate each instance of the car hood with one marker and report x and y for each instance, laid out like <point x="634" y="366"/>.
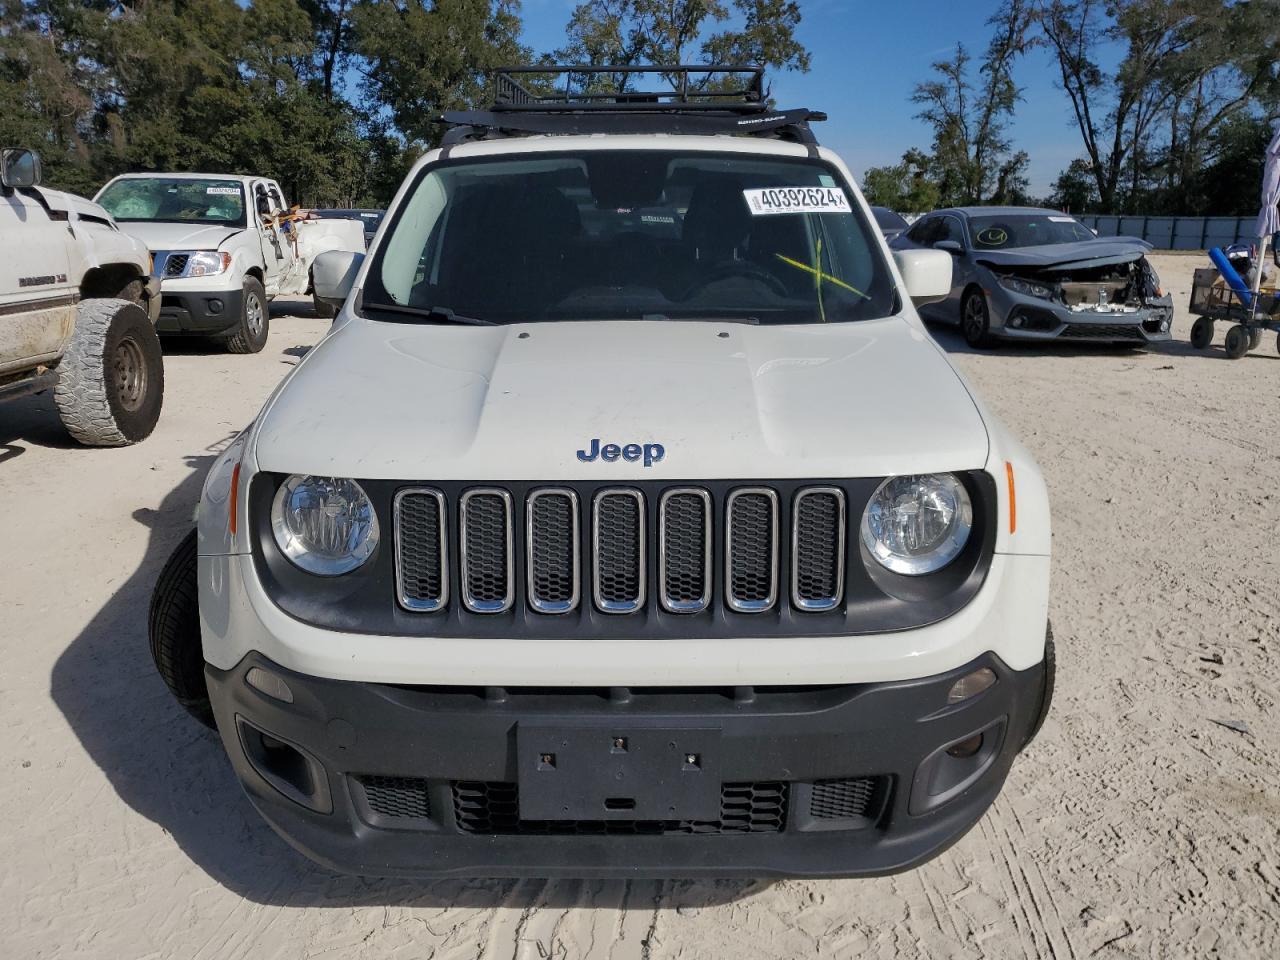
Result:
<point x="1085" y="253"/>
<point x="179" y="236"/>
<point x="69" y="202"/>
<point x="450" y="402"/>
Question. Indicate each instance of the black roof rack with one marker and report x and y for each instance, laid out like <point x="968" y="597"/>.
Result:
<point x="691" y="104"/>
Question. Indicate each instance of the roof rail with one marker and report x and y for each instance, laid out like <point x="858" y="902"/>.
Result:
<point x="528" y="101"/>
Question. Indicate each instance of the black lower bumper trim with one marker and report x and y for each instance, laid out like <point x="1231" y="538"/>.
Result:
<point x="200" y="314"/>
<point x="855" y="780"/>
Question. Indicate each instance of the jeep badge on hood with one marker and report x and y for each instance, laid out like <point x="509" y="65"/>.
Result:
<point x="631" y="452"/>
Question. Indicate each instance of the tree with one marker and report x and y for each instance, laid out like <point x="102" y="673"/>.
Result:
<point x="905" y="187"/>
<point x="1075" y="189"/>
<point x="970" y="146"/>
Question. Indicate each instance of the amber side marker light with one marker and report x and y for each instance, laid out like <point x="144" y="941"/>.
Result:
<point x="233" y="501"/>
<point x="1013" y="498"/>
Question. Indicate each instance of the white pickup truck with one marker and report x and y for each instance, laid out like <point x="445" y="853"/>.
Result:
<point x="224" y="245"/>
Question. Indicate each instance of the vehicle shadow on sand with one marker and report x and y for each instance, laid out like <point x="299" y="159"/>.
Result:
<point x="173" y="771"/>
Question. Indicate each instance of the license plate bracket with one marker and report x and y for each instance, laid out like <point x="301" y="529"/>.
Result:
<point x="618" y="772"/>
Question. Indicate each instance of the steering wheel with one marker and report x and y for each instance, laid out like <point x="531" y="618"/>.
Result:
<point x="742" y="268"/>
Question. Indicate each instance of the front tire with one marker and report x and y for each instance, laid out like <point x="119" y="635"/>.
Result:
<point x="173" y="628"/>
<point x="975" y="320"/>
<point x="1202" y="333"/>
<point x="111" y="379"/>
<point x="1237" y="342"/>
<point x="255" y="320"/>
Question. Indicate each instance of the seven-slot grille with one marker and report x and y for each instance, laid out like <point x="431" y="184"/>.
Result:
<point x="601" y="540"/>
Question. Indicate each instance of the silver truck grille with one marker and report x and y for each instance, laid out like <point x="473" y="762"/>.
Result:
<point x="599" y="543"/>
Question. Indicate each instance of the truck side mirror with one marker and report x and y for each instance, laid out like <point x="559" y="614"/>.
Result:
<point x="19" y="168"/>
<point x="333" y="274"/>
<point x="925" y="273"/>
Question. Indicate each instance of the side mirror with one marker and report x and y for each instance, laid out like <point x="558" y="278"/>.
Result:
<point x="19" y="168"/>
<point x="951" y="246"/>
<point x="925" y="273"/>
<point x="333" y="274"/>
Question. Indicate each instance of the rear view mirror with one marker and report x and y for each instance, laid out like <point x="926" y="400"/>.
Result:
<point x="333" y="274"/>
<point x="951" y="246"/>
<point x="19" y="168"/>
<point x="925" y="273"/>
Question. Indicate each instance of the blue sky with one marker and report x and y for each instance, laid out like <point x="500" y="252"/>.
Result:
<point x="867" y="56"/>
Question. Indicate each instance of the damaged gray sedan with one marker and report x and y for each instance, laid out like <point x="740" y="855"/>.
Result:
<point x="1028" y="274"/>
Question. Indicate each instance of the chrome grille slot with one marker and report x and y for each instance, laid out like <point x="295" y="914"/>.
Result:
<point x="485" y="550"/>
<point x="422" y="582"/>
<point x="751" y="549"/>
<point x="684" y="550"/>
<point x="175" y="264"/>
<point x="817" y="548"/>
<point x="552" y="550"/>
<point x="618" y="555"/>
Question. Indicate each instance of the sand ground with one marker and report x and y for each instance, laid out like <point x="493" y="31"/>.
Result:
<point x="1137" y="825"/>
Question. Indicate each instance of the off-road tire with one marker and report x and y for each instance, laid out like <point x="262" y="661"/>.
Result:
<point x="111" y="379"/>
<point x="1237" y="342"/>
<point x="975" y="320"/>
<point x="173" y="628"/>
<point x="1046" y="697"/>
<point x="252" y="330"/>
<point x="323" y="308"/>
<point x="1202" y="333"/>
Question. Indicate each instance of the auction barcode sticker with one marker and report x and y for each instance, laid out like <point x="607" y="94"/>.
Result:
<point x="223" y="191"/>
<point x="766" y="201"/>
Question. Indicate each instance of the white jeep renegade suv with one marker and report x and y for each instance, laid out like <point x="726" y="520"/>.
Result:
<point x="627" y="522"/>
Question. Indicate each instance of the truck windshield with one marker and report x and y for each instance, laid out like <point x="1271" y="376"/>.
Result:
<point x="1001" y="231"/>
<point x="620" y="235"/>
<point x="175" y="200"/>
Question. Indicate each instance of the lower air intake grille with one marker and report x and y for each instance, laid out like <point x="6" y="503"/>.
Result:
<point x="1101" y="331"/>
<point x="752" y="576"/>
<point x="619" y="550"/>
<point x="396" y="798"/>
<point x="494" y="808"/>
<point x="843" y="799"/>
<point x="419" y="520"/>
<point x="486" y="550"/>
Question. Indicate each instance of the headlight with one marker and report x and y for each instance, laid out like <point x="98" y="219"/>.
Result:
<point x="206" y="263"/>
<point x="1028" y="288"/>
<point x="917" y="524"/>
<point x="325" y="525"/>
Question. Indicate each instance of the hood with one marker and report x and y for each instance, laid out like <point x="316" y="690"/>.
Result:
<point x="179" y="236"/>
<point x="57" y="200"/>
<point x="1084" y="253"/>
<point x="449" y="402"/>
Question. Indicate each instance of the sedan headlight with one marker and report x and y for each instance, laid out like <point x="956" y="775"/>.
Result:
<point x="325" y="525"/>
<point x="917" y="524"/>
<point x="206" y="263"/>
<point x="1028" y="288"/>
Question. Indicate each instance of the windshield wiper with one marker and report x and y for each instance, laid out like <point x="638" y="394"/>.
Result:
<point x="430" y="313"/>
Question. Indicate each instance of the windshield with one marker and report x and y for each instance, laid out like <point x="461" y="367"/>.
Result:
<point x="605" y="235"/>
<point x="1001" y="231"/>
<point x="175" y="200"/>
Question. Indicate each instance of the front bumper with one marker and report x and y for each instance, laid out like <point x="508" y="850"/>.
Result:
<point x="1018" y="317"/>
<point x="840" y="780"/>
<point x="199" y="313"/>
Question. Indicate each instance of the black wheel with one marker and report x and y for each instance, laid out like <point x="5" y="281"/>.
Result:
<point x="173" y="627"/>
<point x="1237" y="342"/>
<point x="975" y="320"/>
<point x="1046" y="698"/>
<point x="255" y="321"/>
<point x="111" y="379"/>
<point x="1202" y="333"/>
<point x="323" y="308"/>
<point x="1255" y="338"/>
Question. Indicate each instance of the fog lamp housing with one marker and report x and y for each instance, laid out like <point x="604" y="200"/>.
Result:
<point x="264" y="681"/>
<point x="971" y="684"/>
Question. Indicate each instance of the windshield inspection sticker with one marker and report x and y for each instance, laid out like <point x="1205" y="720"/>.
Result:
<point x="767" y="201"/>
<point x="223" y="191"/>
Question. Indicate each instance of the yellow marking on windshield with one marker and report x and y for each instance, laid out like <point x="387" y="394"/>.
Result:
<point x="819" y="275"/>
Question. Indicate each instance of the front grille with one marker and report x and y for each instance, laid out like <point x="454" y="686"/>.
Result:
<point x="175" y="264"/>
<point x="552" y="544"/>
<point x="684" y="557"/>
<point x="1102" y="331"/>
<point x="396" y="798"/>
<point x="485" y="550"/>
<point x="493" y="808"/>
<point x="751" y="579"/>
<point x="817" y="549"/>
<point x="421" y="552"/>
<point x="842" y="799"/>
<point x="618" y="538"/>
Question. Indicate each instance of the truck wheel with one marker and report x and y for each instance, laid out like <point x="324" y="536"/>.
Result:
<point x="111" y="379"/>
<point x="1237" y="342"/>
<point x="255" y="320"/>
<point x="323" y="308"/>
<point x="1202" y="333"/>
<point x="975" y="320"/>
<point x="173" y="627"/>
